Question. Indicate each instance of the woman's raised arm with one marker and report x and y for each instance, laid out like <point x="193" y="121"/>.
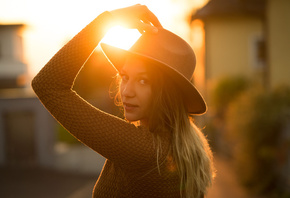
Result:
<point x="112" y="137"/>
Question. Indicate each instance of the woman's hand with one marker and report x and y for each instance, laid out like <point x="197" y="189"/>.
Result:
<point x="137" y="17"/>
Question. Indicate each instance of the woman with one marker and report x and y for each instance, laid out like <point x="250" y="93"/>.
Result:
<point x="165" y="155"/>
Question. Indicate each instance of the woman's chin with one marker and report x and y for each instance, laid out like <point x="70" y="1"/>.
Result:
<point x="131" y="119"/>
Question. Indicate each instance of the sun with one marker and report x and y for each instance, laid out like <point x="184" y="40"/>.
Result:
<point x="121" y="37"/>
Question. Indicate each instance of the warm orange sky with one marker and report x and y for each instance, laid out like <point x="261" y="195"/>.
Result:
<point x="52" y="23"/>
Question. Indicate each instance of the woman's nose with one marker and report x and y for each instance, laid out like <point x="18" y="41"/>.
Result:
<point x="128" y="90"/>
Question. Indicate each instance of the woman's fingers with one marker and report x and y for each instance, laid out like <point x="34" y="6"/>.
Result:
<point x="137" y="16"/>
<point x="146" y="27"/>
<point x="150" y="17"/>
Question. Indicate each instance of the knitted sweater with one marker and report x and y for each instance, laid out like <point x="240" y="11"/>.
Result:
<point x="131" y="167"/>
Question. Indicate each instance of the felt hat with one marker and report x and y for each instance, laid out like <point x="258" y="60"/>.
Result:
<point x="172" y="54"/>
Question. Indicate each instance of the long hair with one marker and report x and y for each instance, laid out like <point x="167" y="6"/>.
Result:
<point x="190" y="152"/>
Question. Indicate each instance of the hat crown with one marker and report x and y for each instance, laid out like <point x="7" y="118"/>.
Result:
<point x="169" y="49"/>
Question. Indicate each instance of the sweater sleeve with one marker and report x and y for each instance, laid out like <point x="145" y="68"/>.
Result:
<point x="112" y="137"/>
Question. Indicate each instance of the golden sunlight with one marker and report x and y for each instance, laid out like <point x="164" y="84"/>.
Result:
<point x="197" y="42"/>
<point x="121" y="37"/>
<point x="46" y="32"/>
<point x="197" y="31"/>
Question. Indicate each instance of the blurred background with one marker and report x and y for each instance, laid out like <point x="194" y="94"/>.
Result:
<point x="243" y="71"/>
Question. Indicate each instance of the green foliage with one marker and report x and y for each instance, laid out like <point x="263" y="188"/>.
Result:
<point x="251" y="126"/>
<point x="227" y="90"/>
<point x="255" y="124"/>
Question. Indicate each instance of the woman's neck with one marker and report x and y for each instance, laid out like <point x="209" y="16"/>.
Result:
<point x="144" y="122"/>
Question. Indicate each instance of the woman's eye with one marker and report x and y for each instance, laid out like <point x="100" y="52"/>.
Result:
<point x="143" y="81"/>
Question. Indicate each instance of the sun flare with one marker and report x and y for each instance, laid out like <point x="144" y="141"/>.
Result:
<point x="46" y="33"/>
<point x="121" y="37"/>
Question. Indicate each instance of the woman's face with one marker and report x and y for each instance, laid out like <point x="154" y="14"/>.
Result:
<point x="136" y="90"/>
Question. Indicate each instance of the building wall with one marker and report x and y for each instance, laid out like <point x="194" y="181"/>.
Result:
<point x="13" y="71"/>
<point x="230" y="47"/>
<point x="23" y="121"/>
<point x="11" y="50"/>
<point x="279" y="42"/>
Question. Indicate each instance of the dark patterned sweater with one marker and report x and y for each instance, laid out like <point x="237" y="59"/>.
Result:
<point x="131" y="167"/>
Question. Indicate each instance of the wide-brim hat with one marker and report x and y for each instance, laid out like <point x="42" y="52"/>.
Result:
<point x="171" y="54"/>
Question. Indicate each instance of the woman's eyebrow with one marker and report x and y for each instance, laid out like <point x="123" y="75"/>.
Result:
<point x="138" y="73"/>
<point x="143" y="73"/>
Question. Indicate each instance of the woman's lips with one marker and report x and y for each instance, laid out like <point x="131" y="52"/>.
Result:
<point x="129" y="106"/>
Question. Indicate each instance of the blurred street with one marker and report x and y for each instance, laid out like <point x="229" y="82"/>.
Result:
<point x="226" y="184"/>
<point x="28" y="182"/>
<point x="44" y="183"/>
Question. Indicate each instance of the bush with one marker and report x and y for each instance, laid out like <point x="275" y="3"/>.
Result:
<point x="255" y="130"/>
<point x="227" y="90"/>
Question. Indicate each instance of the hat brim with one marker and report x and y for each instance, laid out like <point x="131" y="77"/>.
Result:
<point x="194" y="100"/>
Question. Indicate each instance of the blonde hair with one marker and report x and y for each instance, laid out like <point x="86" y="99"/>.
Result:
<point x="190" y="152"/>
